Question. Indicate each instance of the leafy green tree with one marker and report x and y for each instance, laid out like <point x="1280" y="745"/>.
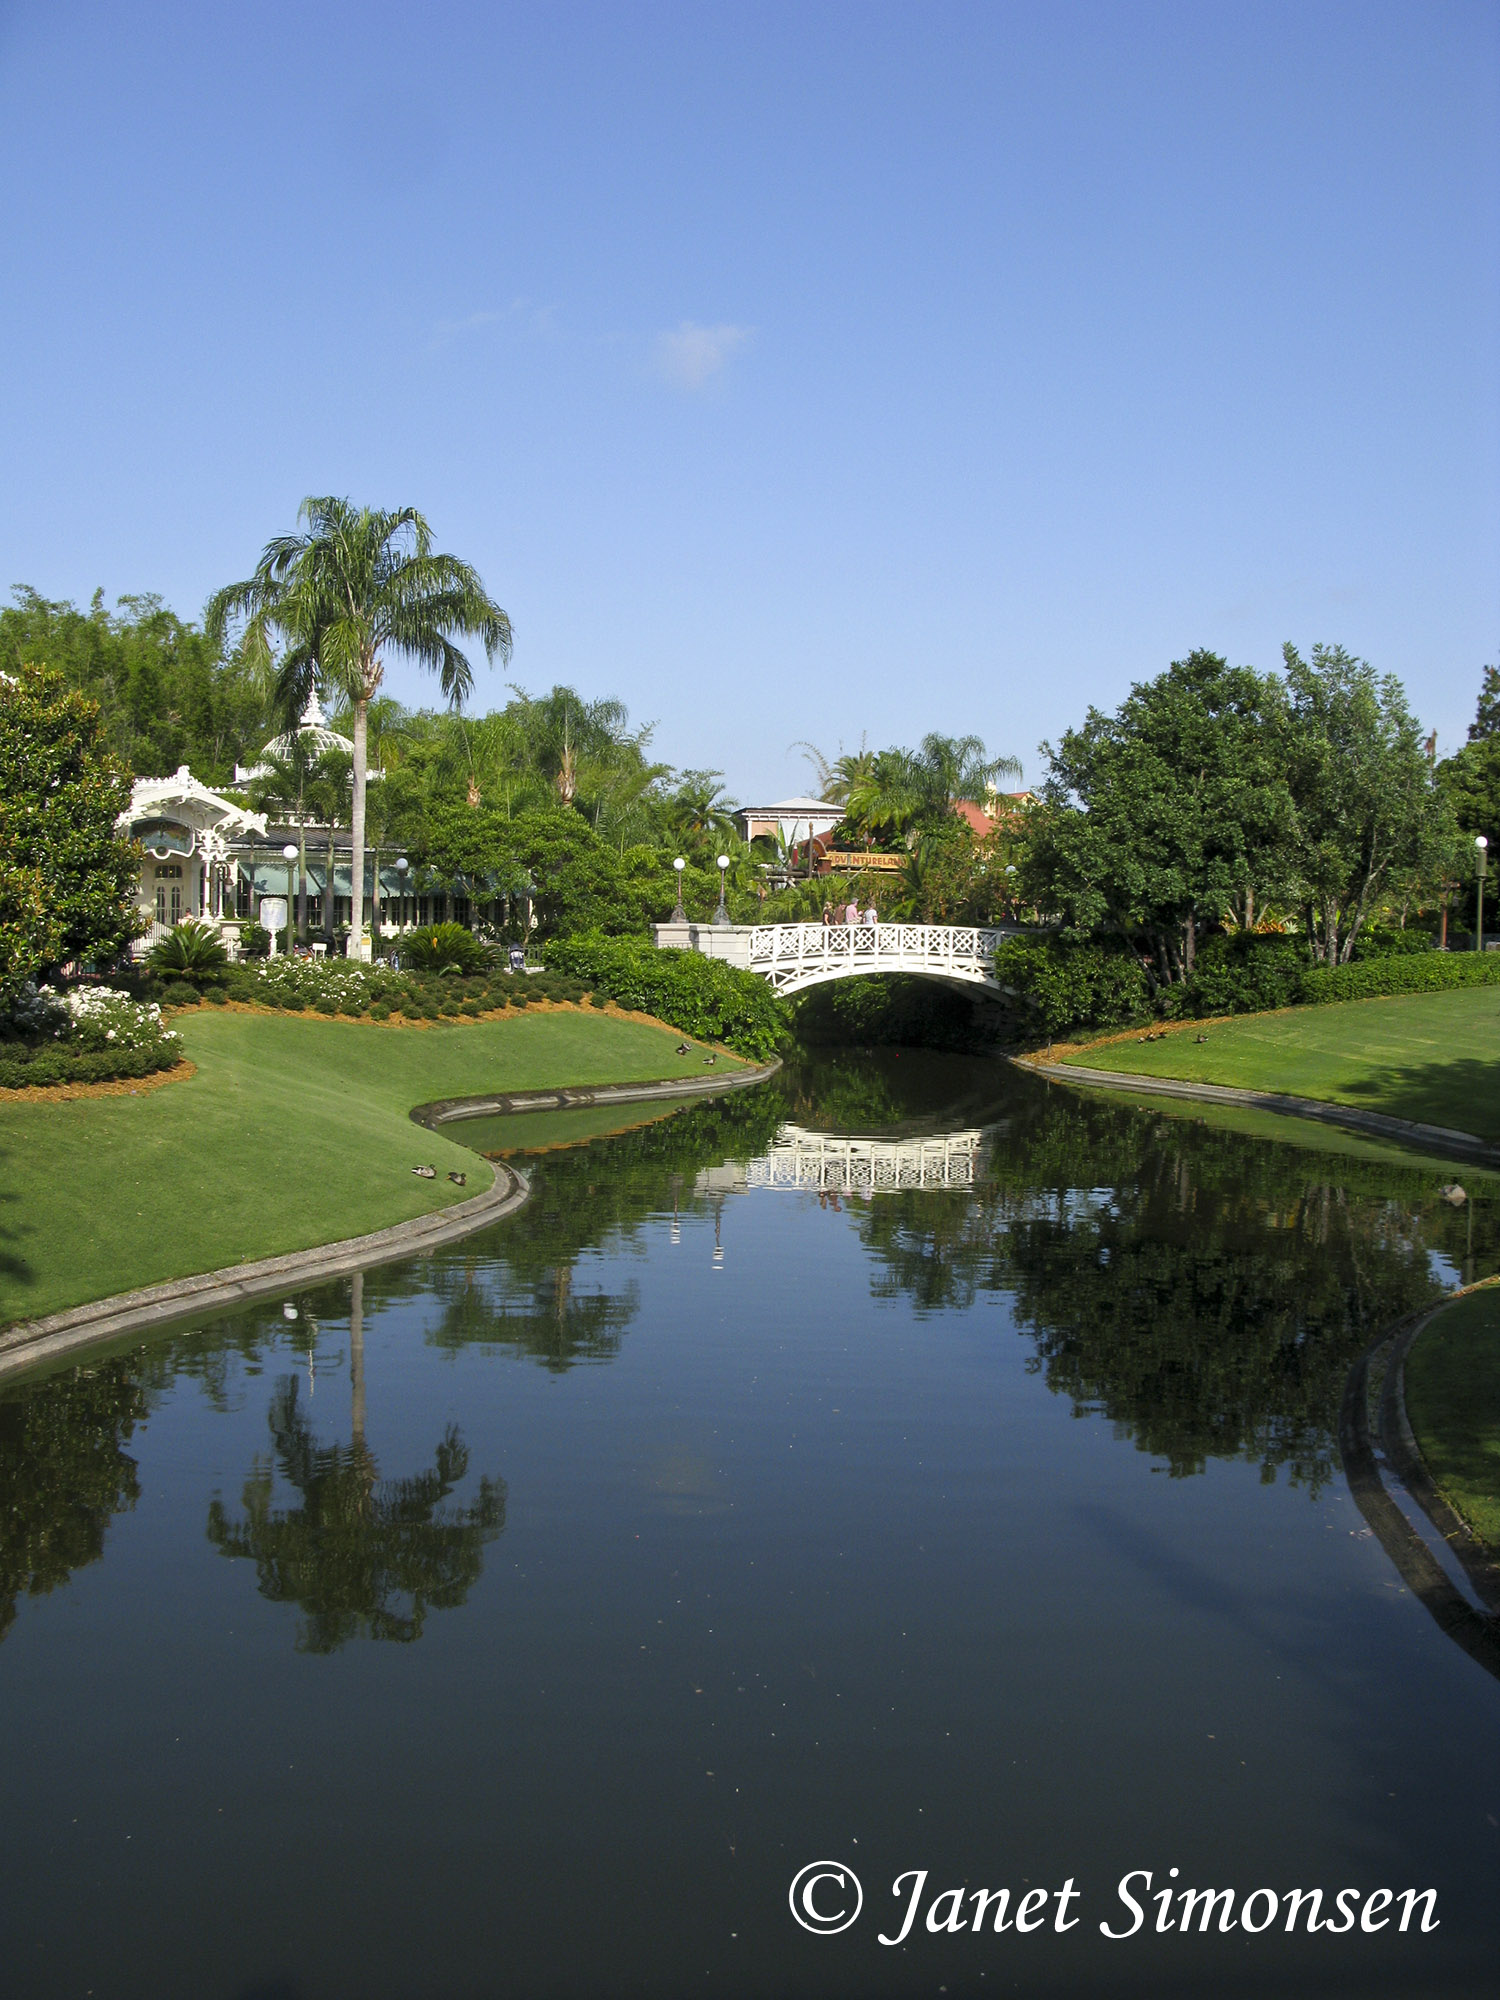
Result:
<point x="1367" y="807"/>
<point x="1159" y="819"/>
<point x="358" y="582"/>
<point x="66" y="876"/>
<point x="166" y="695"/>
<point x="577" y="882"/>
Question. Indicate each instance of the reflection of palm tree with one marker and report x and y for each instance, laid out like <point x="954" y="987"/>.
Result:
<point x="360" y="1554"/>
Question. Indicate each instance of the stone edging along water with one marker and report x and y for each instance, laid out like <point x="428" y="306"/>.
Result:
<point x="30" y="1341"/>
<point x="445" y="1110"/>
<point x="1477" y="1631"/>
<point x="1375" y="1124"/>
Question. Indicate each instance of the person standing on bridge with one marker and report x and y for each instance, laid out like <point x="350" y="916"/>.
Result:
<point x="827" y="915"/>
<point x="872" y="915"/>
<point x="851" y="915"/>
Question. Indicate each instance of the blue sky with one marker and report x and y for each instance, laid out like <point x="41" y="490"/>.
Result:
<point x="809" y="371"/>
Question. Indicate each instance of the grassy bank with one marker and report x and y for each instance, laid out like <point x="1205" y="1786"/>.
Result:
<point x="1431" y="1057"/>
<point x="1453" y="1401"/>
<point x="294" y="1132"/>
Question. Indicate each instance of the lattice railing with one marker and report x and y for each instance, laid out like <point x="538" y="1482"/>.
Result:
<point x="823" y="1162"/>
<point x="965" y="947"/>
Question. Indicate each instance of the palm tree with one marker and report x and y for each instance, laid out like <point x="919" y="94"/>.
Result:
<point x="359" y="581"/>
<point x="951" y="768"/>
<point x="698" y="810"/>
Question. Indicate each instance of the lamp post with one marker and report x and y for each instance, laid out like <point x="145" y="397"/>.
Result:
<point x="721" y="915"/>
<point x="289" y="856"/>
<point x="1481" y="845"/>
<point x="403" y="869"/>
<point x="679" y="914"/>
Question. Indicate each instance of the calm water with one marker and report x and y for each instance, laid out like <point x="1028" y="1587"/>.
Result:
<point x="521" y="1620"/>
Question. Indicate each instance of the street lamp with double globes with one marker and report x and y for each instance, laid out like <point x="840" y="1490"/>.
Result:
<point x="289" y="856"/>
<point x="679" y="914"/>
<point x="1481" y="846"/>
<point x="721" y="915"/>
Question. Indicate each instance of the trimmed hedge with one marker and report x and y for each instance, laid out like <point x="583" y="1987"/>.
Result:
<point x="63" y="1065"/>
<point x="1067" y="984"/>
<point x="1427" y="972"/>
<point x="701" y="996"/>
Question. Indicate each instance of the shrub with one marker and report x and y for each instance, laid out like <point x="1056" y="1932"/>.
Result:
<point x="255" y="940"/>
<point x="92" y="1034"/>
<point x="444" y="948"/>
<point x="68" y="1065"/>
<point x="192" y="948"/>
<point x="1425" y="972"/>
<point x="380" y="1012"/>
<point x="1067" y="984"/>
<point x="1244" y="974"/>
<point x="1374" y="941"/>
<point x="702" y="996"/>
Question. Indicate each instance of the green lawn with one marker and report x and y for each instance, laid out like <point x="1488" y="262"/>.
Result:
<point x="294" y="1132"/>
<point x="1434" y="1057"/>
<point x="1453" y="1400"/>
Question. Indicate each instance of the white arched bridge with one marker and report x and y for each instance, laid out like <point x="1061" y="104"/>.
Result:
<point x="794" y="957"/>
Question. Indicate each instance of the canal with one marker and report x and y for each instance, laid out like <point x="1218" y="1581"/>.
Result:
<point x="906" y="1466"/>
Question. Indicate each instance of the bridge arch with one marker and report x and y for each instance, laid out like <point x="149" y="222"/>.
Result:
<point x="793" y="958"/>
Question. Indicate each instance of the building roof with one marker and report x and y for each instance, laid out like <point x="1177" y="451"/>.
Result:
<point x="151" y="798"/>
<point x="792" y="806"/>
<point x="312" y="730"/>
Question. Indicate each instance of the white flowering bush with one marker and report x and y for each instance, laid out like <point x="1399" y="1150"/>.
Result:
<point x="33" y="1013"/>
<point x="306" y="981"/>
<point x="90" y="1034"/>
<point x="100" y="1018"/>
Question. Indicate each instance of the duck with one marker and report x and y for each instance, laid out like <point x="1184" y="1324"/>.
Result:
<point x="709" y="1061"/>
<point x="683" y="1049"/>
<point x="459" y="1180"/>
<point x="425" y="1173"/>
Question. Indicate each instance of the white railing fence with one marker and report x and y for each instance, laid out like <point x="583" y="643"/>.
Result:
<point x="824" y="1163"/>
<point x="794" y="954"/>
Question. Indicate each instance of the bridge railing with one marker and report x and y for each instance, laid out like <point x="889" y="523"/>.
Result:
<point x="809" y="945"/>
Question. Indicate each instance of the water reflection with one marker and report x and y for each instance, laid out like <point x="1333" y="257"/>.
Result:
<point x="1203" y="1288"/>
<point x="360" y="1555"/>
<point x="64" y="1474"/>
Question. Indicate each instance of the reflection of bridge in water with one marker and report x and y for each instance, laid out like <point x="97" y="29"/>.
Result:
<point x="823" y="1163"/>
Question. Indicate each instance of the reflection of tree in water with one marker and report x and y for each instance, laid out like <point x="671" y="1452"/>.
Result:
<point x="862" y="1091"/>
<point x="1205" y="1291"/>
<point x="517" y="1285"/>
<point x="359" y="1554"/>
<point x="63" y="1474"/>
